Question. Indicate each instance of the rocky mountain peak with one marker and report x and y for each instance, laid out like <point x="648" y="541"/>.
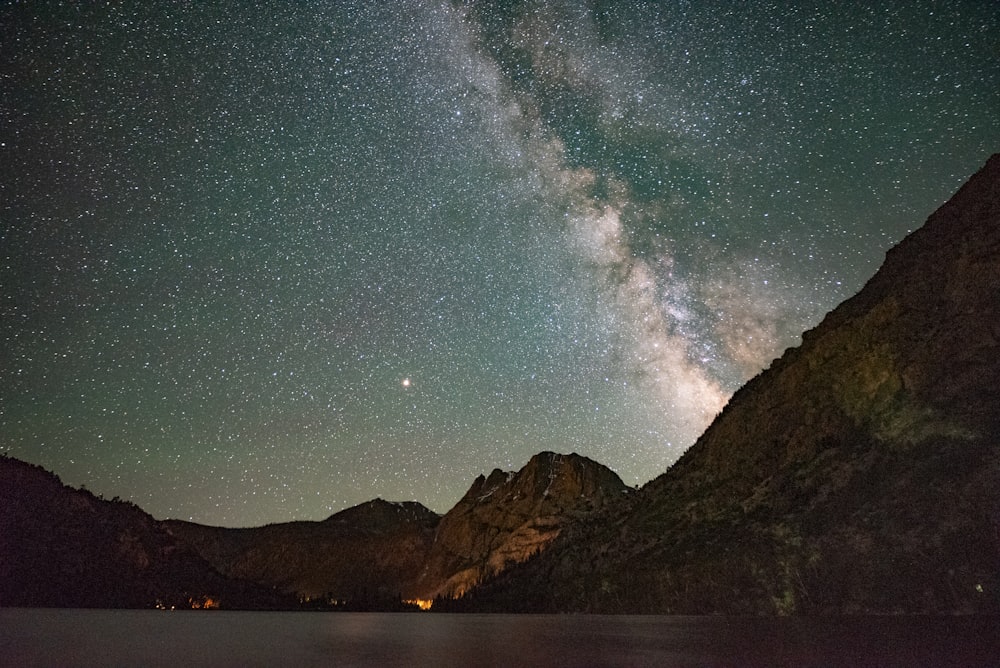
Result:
<point x="548" y="479"/>
<point x="508" y="516"/>
<point x="484" y="487"/>
<point x="566" y="477"/>
<point x="381" y="514"/>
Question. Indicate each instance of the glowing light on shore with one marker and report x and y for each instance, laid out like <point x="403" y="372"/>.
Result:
<point x="422" y="603"/>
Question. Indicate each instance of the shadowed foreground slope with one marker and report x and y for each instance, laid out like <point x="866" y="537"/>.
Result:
<point x="63" y="547"/>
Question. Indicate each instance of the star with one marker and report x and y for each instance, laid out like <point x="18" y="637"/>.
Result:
<point x="230" y="240"/>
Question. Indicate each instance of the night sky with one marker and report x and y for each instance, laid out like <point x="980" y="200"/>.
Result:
<point x="262" y="263"/>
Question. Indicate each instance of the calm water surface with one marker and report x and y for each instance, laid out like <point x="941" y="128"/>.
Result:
<point x="215" y="638"/>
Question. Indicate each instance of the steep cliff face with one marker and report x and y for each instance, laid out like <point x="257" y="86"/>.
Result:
<point x="65" y="547"/>
<point x="369" y="553"/>
<point x="507" y="517"/>
<point x="860" y="473"/>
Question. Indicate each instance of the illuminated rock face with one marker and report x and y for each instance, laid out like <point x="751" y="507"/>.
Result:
<point x="507" y="517"/>
<point x="860" y="473"/>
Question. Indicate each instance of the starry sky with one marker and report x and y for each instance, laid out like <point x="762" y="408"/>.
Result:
<point x="265" y="261"/>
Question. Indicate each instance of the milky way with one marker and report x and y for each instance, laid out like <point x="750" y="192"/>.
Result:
<point x="265" y="263"/>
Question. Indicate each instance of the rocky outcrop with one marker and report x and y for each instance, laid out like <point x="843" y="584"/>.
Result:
<point x="507" y="517"/>
<point x="368" y="555"/>
<point x="860" y="473"/>
<point x="64" y="547"/>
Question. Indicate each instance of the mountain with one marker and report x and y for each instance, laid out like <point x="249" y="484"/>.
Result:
<point x="368" y="554"/>
<point x="380" y="551"/>
<point x="63" y="547"/>
<point x="860" y="473"/>
<point x="507" y="517"/>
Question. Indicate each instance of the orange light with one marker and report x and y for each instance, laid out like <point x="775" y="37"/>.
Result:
<point x="203" y="603"/>
<point x="422" y="603"/>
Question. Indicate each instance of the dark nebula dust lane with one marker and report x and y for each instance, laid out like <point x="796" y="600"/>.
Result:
<point x="264" y="263"/>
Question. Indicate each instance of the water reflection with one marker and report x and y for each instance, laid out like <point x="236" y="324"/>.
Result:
<point x="218" y="638"/>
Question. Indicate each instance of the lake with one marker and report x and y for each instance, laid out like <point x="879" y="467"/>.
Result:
<point x="53" y="637"/>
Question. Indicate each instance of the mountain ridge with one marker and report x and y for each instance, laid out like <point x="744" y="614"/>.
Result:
<point x="858" y="473"/>
<point x="381" y="549"/>
<point x="375" y="555"/>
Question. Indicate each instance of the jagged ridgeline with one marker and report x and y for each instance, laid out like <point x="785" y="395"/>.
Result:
<point x="508" y="517"/>
<point x="858" y="474"/>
